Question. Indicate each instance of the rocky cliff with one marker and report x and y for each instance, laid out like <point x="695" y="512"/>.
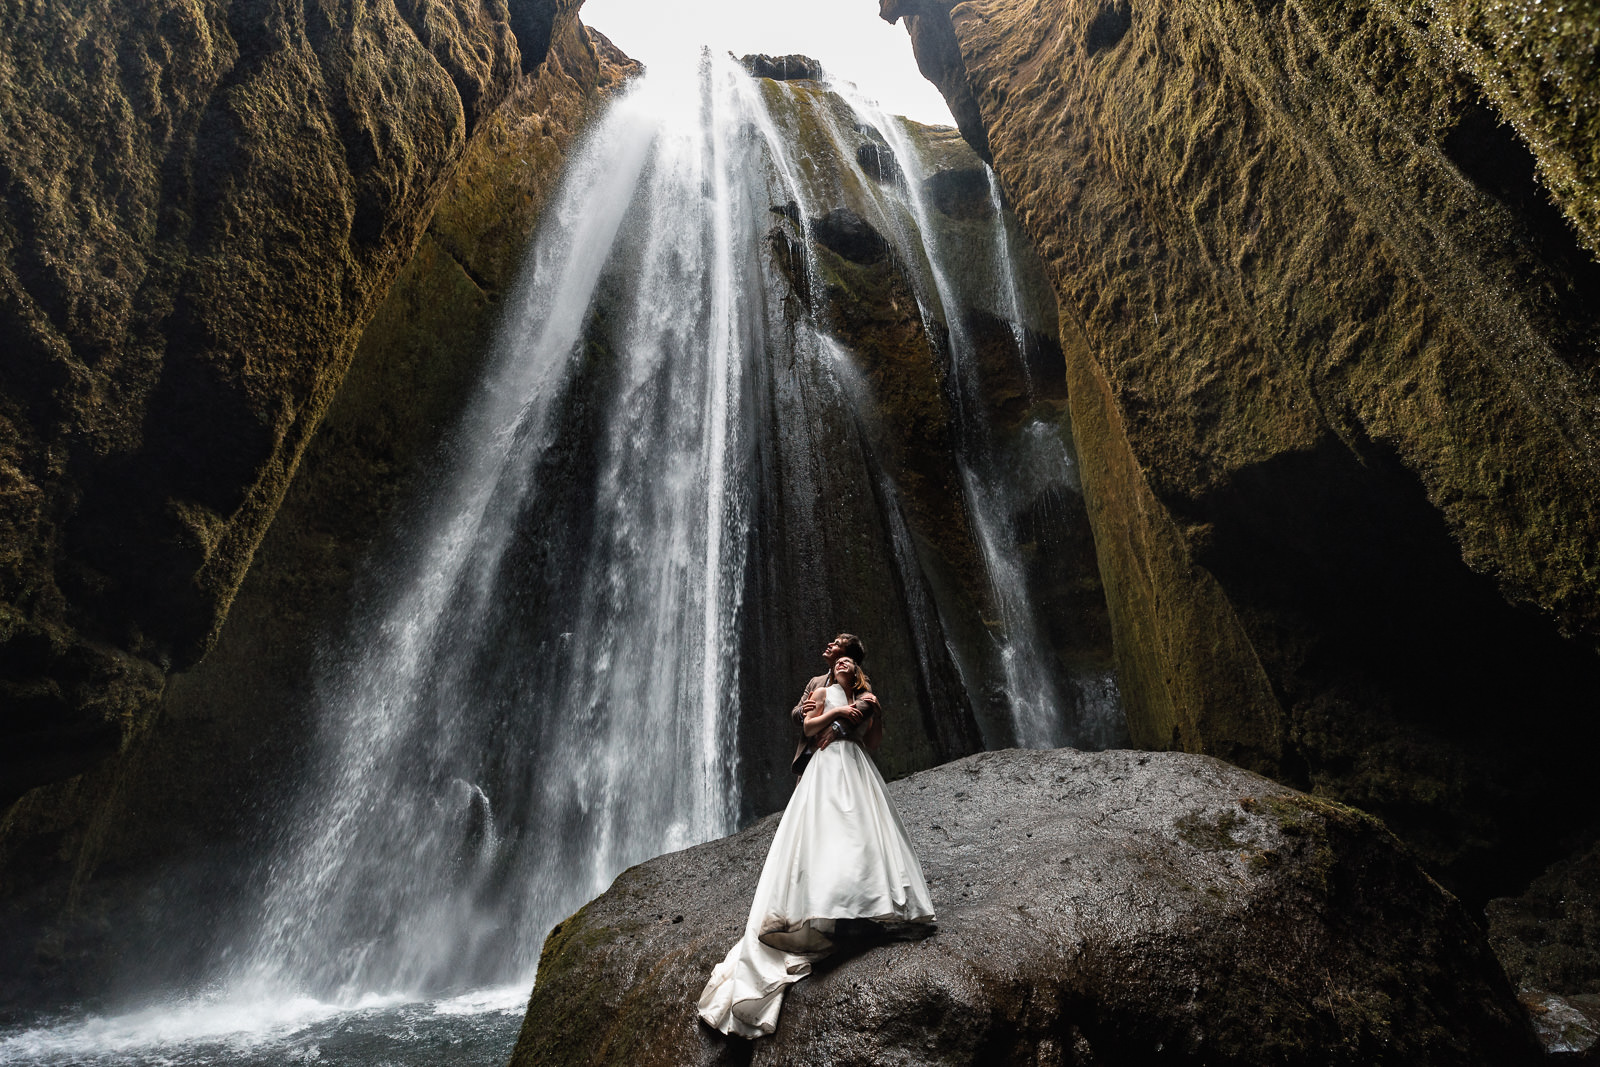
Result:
<point x="1326" y="274"/>
<point x="1113" y="908"/>
<point x="202" y="207"/>
<point x="162" y="826"/>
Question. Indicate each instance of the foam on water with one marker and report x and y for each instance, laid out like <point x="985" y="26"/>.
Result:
<point x="478" y="1026"/>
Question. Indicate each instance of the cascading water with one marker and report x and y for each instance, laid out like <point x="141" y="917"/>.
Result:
<point x="586" y="705"/>
<point x="1042" y="716"/>
<point x="547" y="688"/>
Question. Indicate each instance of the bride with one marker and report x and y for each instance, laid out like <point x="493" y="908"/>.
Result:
<point x="840" y="853"/>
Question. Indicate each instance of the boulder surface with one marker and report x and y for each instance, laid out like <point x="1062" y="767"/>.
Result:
<point x="1113" y="907"/>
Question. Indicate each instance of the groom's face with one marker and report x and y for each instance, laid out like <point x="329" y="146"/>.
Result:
<point x="833" y="650"/>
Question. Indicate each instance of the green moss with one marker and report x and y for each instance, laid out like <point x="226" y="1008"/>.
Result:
<point x="1210" y="835"/>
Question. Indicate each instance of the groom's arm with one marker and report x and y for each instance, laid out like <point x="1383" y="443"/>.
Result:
<point x="872" y="736"/>
<point x="798" y="715"/>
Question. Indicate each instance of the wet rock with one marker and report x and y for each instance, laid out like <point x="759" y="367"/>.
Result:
<point x="1324" y="277"/>
<point x="961" y="194"/>
<point x="843" y="231"/>
<point x="1568" y="1027"/>
<point x="877" y="160"/>
<point x="1548" y="937"/>
<point x="1109" y="908"/>
<point x="783" y="68"/>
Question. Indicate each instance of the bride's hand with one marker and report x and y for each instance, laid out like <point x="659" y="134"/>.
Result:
<point x="851" y="714"/>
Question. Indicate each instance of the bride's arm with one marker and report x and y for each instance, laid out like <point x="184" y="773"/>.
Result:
<point x="819" y="719"/>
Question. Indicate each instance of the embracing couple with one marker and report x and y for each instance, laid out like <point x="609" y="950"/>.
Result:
<point x="840" y="864"/>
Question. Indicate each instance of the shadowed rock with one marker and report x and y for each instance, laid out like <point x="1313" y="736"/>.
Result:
<point x="202" y="206"/>
<point x="877" y="160"/>
<point x="1102" y="908"/>
<point x="783" y="68"/>
<point x="851" y="236"/>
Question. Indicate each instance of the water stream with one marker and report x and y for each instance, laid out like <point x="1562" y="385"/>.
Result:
<point x="549" y="687"/>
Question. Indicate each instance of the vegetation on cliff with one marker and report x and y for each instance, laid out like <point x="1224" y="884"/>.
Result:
<point x="1330" y="351"/>
<point x="203" y="204"/>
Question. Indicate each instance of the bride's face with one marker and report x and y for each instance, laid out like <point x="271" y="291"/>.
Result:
<point x="844" y="669"/>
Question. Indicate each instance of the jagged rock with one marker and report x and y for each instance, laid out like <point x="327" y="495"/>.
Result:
<point x="939" y="58"/>
<point x="1330" y="346"/>
<point x="1548" y="938"/>
<point x="783" y="68"/>
<point x="850" y="235"/>
<point x="1109" y="908"/>
<point x="1568" y="1027"/>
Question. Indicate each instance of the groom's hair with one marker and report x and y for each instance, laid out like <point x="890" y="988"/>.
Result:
<point x="850" y="645"/>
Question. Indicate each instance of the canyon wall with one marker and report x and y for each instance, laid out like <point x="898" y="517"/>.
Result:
<point x="202" y="206"/>
<point x="1327" y="279"/>
<point x="162" y="826"/>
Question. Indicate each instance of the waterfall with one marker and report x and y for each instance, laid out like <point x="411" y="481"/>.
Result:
<point x="624" y="556"/>
<point x="560" y="650"/>
<point x="1041" y="714"/>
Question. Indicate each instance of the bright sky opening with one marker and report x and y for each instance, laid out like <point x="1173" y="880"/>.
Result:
<point x="846" y="36"/>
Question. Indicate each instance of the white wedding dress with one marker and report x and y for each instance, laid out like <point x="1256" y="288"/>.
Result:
<point x="841" y="852"/>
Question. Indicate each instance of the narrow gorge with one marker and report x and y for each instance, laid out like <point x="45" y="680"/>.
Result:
<point x="540" y="595"/>
<point x="436" y="447"/>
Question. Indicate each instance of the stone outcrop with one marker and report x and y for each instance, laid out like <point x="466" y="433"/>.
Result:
<point x="1118" y="907"/>
<point x="163" y="827"/>
<point x="783" y="68"/>
<point x="202" y="207"/>
<point x="1548" y="939"/>
<point x="1326" y="277"/>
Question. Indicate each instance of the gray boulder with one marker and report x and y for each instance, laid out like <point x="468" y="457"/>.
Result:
<point x="1095" y="908"/>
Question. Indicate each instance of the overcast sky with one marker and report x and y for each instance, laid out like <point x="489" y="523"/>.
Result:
<point x="847" y="36"/>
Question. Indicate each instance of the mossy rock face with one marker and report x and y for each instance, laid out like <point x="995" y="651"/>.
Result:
<point x="1549" y="937"/>
<point x="170" y="818"/>
<point x="202" y="206"/>
<point x="1326" y="277"/>
<point x="1115" y="907"/>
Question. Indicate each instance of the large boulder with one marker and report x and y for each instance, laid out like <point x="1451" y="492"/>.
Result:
<point x="1108" y="908"/>
<point x="1326" y="277"/>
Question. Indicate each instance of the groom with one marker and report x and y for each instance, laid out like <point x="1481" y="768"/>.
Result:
<point x="842" y="645"/>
